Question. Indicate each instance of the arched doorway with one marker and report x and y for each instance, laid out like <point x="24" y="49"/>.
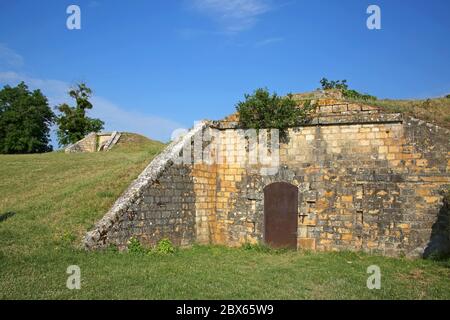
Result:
<point x="281" y="215"/>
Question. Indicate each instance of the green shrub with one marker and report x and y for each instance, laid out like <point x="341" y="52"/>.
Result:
<point x="112" y="248"/>
<point x="135" y="247"/>
<point x="342" y="86"/>
<point x="448" y="96"/>
<point x="255" y="247"/>
<point x="330" y="85"/>
<point x="165" y="246"/>
<point x="263" y="110"/>
<point x="262" y="248"/>
<point x="353" y="94"/>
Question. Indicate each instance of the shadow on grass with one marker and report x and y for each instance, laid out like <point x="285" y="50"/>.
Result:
<point x="6" y="215"/>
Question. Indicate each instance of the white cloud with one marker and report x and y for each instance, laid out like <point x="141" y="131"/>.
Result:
<point x="114" y="116"/>
<point x="55" y="90"/>
<point x="117" y="118"/>
<point x="234" y="15"/>
<point x="268" y="41"/>
<point x="9" y="58"/>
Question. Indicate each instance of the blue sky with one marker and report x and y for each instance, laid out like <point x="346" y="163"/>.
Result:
<point x="159" y="65"/>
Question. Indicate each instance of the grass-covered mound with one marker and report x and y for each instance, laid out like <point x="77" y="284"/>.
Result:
<point x="435" y="111"/>
<point x="53" y="198"/>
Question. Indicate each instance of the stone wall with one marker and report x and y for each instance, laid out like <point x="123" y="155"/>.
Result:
<point x="94" y="142"/>
<point x="159" y="204"/>
<point x="87" y="144"/>
<point x="371" y="187"/>
<point x="166" y="209"/>
<point x="367" y="181"/>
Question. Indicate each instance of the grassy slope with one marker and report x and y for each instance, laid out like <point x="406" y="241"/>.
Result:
<point x="436" y="111"/>
<point x="56" y="197"/>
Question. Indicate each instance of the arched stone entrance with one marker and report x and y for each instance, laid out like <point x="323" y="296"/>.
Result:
<point x="281" y="215"/>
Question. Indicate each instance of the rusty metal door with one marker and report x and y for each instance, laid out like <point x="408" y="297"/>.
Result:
<point x="280" y="215"/>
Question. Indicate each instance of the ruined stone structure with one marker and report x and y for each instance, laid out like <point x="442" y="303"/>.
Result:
<point x="355" y="178"/>
<point x="95" y="142"/>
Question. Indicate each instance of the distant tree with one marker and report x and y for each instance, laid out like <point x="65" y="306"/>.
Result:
<point x="448" y="96"/>
<point x="328" y="85"/>
<point x="25" y="120"/>
<point x="342" y="86"/>
<point x="73" y="124"/>
<point x="264" y="110"/>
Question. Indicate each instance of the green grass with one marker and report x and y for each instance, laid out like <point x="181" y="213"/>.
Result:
<point x="57" y="197"/>
<point x="436" y="111"/>
<point x="219" y="273"/>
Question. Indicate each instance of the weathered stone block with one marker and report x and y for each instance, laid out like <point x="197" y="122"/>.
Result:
<point x="307" y="244"/>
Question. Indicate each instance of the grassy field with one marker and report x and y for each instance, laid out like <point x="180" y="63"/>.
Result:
<point x="47" y="202"/>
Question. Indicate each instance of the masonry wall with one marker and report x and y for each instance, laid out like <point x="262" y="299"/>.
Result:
<point x="372" y="187"/>
<point x="160" y="203"/>
<point x="87" y="144"/>
<point x="166" y="209"/>
<point x="205" y="179"/>
<point x="367" y="181"/>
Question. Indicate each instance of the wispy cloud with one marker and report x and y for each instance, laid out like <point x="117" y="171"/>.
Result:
<point x="9" y="58"/>
<point x="268" y="41"/>
<point x="55" y="90"/>
<point x="115" y="117"/>
<point x="233" y="15"/>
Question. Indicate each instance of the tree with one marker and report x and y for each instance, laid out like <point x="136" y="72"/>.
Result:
<point x="342" y="86"/>
<point x="328" y="85"/>
<point x="263" y="110"/>
<point x="73" y="124"/>
<point x="25" y="120"/>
